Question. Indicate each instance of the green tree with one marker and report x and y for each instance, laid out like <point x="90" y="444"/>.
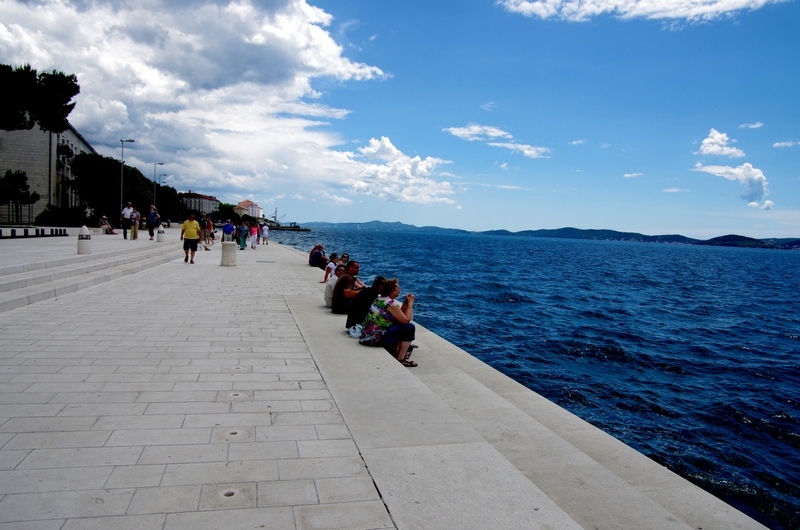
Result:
<point x="225" y="212"/>
<point x="15" y="191"/>
<point x="66" y="216"/>
<point x="36" y="98"/>
<point x="96" y="180"/>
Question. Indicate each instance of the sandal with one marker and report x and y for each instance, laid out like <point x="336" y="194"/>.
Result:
<point x="408" y="363"/>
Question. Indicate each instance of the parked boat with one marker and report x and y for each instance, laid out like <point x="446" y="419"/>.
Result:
<point x="275" y="224"/>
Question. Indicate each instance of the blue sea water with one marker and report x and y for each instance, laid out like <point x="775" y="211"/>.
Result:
<point x="689" y="354"/>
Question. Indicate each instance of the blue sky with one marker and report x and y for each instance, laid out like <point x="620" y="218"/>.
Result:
<point x="656" y="117"/>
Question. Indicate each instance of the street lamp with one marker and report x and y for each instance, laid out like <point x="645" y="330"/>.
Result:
<point x="121" y="171"/>
<point x="159" y="183"/>
<point x="154" y="180"/>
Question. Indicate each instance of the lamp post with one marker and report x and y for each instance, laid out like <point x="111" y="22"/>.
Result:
<point x="159" y="183"/>
<point x="154" y="180"/>
<point x="122" y="170"/>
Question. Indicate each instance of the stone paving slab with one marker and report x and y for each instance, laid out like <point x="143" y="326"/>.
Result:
<point x="183" y="396"/>
<point x="433" y="469"/>
<point x="206" y="397"/>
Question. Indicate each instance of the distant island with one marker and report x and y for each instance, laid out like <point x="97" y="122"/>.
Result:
<point x="576" y="233"/>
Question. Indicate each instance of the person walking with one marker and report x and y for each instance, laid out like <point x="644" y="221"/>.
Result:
<point x="190" y="235"/>
<point x="242" y="234"/>
<point x="265" y="234"/>
<point x="135" y="220"/>
<point x="227" y="231"/>
<point x="153" y="220"/>
<point x="125" y="219"/>
<point x="254" y="230"/>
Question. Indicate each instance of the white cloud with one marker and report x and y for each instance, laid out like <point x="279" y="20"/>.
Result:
<point x="578" y="142"/>
<point x="336" y="199"/>
<point x="632" y="175"/>
<point x="582" y="10"/>
<point x="766" y="205"/>
<point x="785" y="144"/>
<point x="530" y="151"/>
<point x="756" y="125"/>
<point x="717" y="144"/>
<point x="752" y="178"/>
<point x="397" y="177"/>
<point x="474" y="132"/>
<point x="488" y="106"/>
<point x="223" y="93"/>
<point x="485" y="133"/>
<point x="674" y="190"/>
<point x="504" y="165"/>
<point x="508" y="187"/>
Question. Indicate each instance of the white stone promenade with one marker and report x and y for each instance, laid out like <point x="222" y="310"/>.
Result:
<point x="205" y="397"/>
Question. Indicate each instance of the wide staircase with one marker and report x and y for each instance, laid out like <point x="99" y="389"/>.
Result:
<point x="28" y="283"/>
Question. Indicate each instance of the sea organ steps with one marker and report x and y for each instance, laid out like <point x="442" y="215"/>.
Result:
<point x="25" y="284"/>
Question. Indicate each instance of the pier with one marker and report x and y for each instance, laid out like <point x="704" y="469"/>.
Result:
<point x="138" y="391"/>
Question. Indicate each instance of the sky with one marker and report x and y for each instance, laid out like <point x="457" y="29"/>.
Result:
<point x="650" y="116"/>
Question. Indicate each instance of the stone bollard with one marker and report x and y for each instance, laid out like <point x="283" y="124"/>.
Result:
<point x="84" y="241"/>
<point x="228" y="254"/>
<point x="160" y="234"/>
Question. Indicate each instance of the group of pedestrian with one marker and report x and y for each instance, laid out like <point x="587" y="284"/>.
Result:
<point x="130" y="219"/>
<point x="253" y="232"/>
<point x="374" y="314"/>
<point x="194" y="232"/>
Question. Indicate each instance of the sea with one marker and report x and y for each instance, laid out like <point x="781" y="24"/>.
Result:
<point x="689" y="354"/>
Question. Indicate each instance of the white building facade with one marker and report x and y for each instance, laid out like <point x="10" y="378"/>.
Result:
<point x="201" y="203"/>
<point x="252" y="209"/>
<point x="44" y="156"/>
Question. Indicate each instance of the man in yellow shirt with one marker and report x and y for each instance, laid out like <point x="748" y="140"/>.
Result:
<point x="190" y="235"/>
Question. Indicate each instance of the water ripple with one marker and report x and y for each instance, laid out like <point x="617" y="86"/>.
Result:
<point x="688" y="354"/>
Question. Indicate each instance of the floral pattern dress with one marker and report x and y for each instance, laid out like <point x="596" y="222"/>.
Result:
<point x="378" y="320"/>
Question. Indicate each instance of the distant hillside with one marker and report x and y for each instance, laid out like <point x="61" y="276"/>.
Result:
<point x="607" y="235"/>
<point x="736" y="241"/>
<point x="387" y="227"/>
<point x="574" y="233"/>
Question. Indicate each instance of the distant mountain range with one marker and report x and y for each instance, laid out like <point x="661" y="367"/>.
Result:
<point x="574" y="233"/>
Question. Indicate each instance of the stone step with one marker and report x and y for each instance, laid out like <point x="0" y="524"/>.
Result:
<point x="57" y="278"/>
<point x="63" y="260"/>
<point x="596" y="479"/>
<point x="44" y="272"/>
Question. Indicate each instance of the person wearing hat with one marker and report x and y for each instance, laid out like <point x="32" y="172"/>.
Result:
<point x="105" y="226"/>
<point x="125" y="219"/>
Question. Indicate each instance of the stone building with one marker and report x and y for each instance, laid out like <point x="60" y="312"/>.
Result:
<point x="252" y="209"/>
<point x="44" y="157"/>
<point x="199" y="202"/>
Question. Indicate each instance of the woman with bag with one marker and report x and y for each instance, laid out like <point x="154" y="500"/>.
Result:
<point x="153" y="221"/>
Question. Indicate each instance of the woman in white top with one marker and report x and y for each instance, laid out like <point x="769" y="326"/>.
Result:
<point x="331" y="283"/>
<point x="330" y="267"/>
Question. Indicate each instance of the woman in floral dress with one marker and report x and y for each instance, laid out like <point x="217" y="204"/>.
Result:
<point x="388" y="323"/>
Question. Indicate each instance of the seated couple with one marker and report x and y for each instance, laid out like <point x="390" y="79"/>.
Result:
<point x="388" y="323"/>
<point x="346" y="287"/>
<point x="352" y="297"/>
<point x="317" y="258"/>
